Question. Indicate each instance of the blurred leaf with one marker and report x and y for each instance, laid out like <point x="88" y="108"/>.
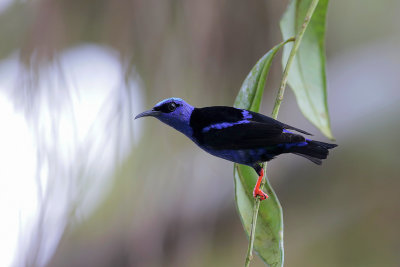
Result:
<point x="307" y="74"/>
<point x="268" y="241"/>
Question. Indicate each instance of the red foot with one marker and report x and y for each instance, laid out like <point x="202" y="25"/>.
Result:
<point x="257" y="192"/>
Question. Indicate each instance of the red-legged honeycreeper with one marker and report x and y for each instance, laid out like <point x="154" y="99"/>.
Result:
<point x="238" y="135"/>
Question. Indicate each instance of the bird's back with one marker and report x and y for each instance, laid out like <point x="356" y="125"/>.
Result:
<point x="248" y="137"/>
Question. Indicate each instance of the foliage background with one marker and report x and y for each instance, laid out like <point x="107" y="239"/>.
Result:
<point x="82" y="184"/>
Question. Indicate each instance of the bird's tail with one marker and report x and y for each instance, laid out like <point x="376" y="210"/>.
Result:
<point x="314" y="150"/>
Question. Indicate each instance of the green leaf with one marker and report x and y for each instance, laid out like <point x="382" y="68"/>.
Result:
<point x="268" y="241"/>
<point x="250" y="94"/>
<point x="307" y="74"/>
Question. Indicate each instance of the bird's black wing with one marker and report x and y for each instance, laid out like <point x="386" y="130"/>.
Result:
<point x="247" y="136"/>
<point x="231" y="128"/>
<point x="257" y="117"/>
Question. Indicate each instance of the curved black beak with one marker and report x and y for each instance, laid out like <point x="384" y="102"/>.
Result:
<point x="152" y="113"/>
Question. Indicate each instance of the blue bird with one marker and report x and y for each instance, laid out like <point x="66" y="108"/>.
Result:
<point x="238" y="135"/>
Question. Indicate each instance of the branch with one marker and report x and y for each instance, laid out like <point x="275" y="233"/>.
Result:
<point x="275" y="111"/>
<point x="293" y="52"/>
<point x="249" y="255"/>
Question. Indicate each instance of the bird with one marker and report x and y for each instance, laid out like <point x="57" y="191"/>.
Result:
<point x="238" y="135"/>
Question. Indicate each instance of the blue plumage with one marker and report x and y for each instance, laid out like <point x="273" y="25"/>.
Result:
<point x="222" y="125"/>
<point x="237" y="135"/>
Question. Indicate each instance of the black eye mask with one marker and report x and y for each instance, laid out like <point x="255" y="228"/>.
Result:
<point x="167" y="107"/>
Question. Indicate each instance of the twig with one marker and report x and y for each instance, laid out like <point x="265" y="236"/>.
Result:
<point x="249" y="255"/>
<point x="275" y="111"/>
<point x="293" y="52"/>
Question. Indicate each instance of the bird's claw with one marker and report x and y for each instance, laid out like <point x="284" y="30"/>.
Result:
<point x="260" y="193"/>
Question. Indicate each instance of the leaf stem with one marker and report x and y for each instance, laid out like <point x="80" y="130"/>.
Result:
<point x="278" y="101"/>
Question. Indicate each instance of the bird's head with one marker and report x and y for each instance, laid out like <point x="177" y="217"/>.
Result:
<point x="172" y="111"/>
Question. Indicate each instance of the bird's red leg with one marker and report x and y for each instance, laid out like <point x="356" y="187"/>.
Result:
<point x="257" y="191"/>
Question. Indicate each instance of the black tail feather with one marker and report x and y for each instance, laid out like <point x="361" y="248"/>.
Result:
<point x="315" y="160"/>
<point x="324" y="145"/>
<point x="314" y="151"/>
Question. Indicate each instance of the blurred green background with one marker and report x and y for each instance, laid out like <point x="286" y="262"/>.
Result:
<point x="83" y="184"/>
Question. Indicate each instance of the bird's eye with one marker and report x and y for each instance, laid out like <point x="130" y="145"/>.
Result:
<point x="171" y="106"/>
